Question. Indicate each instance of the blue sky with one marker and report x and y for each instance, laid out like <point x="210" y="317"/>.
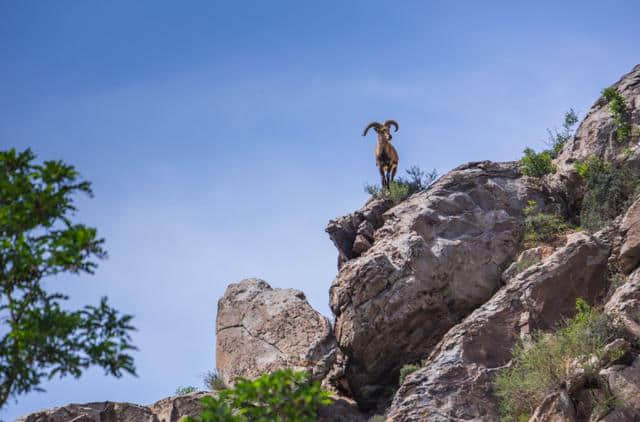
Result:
<point x="220" y="137"/>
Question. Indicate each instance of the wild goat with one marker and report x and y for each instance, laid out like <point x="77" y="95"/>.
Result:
<point x="386" y="154"/>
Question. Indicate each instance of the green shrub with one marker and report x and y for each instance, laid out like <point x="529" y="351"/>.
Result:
<point x="525" y="263"/>
<point x="377" y="418"/>
<point x="406" y="370"/>
<point x="608" y="190"/>
<point x="402" y="188"/>
<point x="542" y="227"/>
<point x="213" y="382"/>
<point x="185" y="390"/>
<point x="557" y="140"/>
<point x="539" y="367"/>
<point x="283" y="395"/>
<point x="620" y="113"/>
<point x="536" y="164"/>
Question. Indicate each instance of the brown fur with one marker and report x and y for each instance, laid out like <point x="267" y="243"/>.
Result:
<point x="386" y="154"/>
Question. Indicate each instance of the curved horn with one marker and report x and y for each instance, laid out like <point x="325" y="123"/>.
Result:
<point x="369" y="126"/>
<point x="388" y="123"/>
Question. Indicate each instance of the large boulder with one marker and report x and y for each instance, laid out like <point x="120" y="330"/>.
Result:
<point x="170" y="409"/>
<point x="596" y="136"/>
<point x="437" y="256"/>
<point x="260" y="329"/>
<point x="456" y="380"/>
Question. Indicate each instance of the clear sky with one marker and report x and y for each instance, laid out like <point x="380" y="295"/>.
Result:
<point x="221" y="137"/>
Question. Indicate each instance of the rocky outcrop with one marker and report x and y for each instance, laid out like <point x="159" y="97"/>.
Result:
<point x="438" y="255"/>
<point x="624" y="383"/>
<point x="260" y="329"/>
<point x="353" y="234"/>
<point x="170" y="409"/>
<point x="596" y="136"/>
<point x="624" y="305"/>
<point x="456" y="381"/>
<point x="630" y="228"/>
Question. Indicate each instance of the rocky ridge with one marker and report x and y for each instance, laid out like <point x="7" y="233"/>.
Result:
<point x="441" y="280"/>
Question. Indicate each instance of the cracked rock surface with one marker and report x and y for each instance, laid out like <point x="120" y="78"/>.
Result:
<point x="438" y="256"/>
<point x="260" y="329"/>
<point x="455" y="383"/>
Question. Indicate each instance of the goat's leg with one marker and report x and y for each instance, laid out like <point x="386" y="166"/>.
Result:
<point x="382" y="177"/>
<point x="394" y="169"/>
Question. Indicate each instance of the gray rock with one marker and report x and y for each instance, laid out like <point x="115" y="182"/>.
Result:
<point x="624" y="305"/>
<point x="170" y="409"/>
<point x="624" y="383"/>
<point x="630" y="250"/>
<point x="614" y="352"/>
<point x="361" y="244"/>
<point x="620" y="415"/>
<point x="456" y="381"/>
<point x="260" y="329"/>
<point x="438" y="255"/>
<point x="343" y="230"/>
<point x="556" y="407"/>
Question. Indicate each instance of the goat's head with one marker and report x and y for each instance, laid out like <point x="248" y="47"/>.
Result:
<point x="383" y="130"/>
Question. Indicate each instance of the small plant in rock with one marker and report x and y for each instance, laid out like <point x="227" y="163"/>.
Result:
<point x="378" y="418"/>
<point x="535" y="164"/>
<point x="608" y="190"/>
<point x="213" y="381"/>
<point x="620" y="113"/>
<point x="283" y="395"/>
<point x="539" y="366"/>
<point x="402" y="188"/>
<point x="541" y="227"/>
<point x="407" y="370"/>
<point x="180" y="391"/>
<point x="525" y="263"/>
<point x="557" y="139"/>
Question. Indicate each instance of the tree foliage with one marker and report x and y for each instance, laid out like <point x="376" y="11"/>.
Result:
<point x="284" y="395"/>
<point x="558" y="139"/>
<point x="40" y="339"/>
<point x="535" y="164"/>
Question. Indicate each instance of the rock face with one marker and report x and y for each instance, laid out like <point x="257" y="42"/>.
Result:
<point x="437" y="256"/>
<point x="260" y="329"/>
<point x="596" y="136"/>
<point x="170" y="409"/>
<point x="624" y="305"/>
<point x="630" y="250"/>
<point x="624" y="383"/>
<point x="455" y="383"/>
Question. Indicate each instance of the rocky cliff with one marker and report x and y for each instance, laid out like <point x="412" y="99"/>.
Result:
<point x="442" y="280"/>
